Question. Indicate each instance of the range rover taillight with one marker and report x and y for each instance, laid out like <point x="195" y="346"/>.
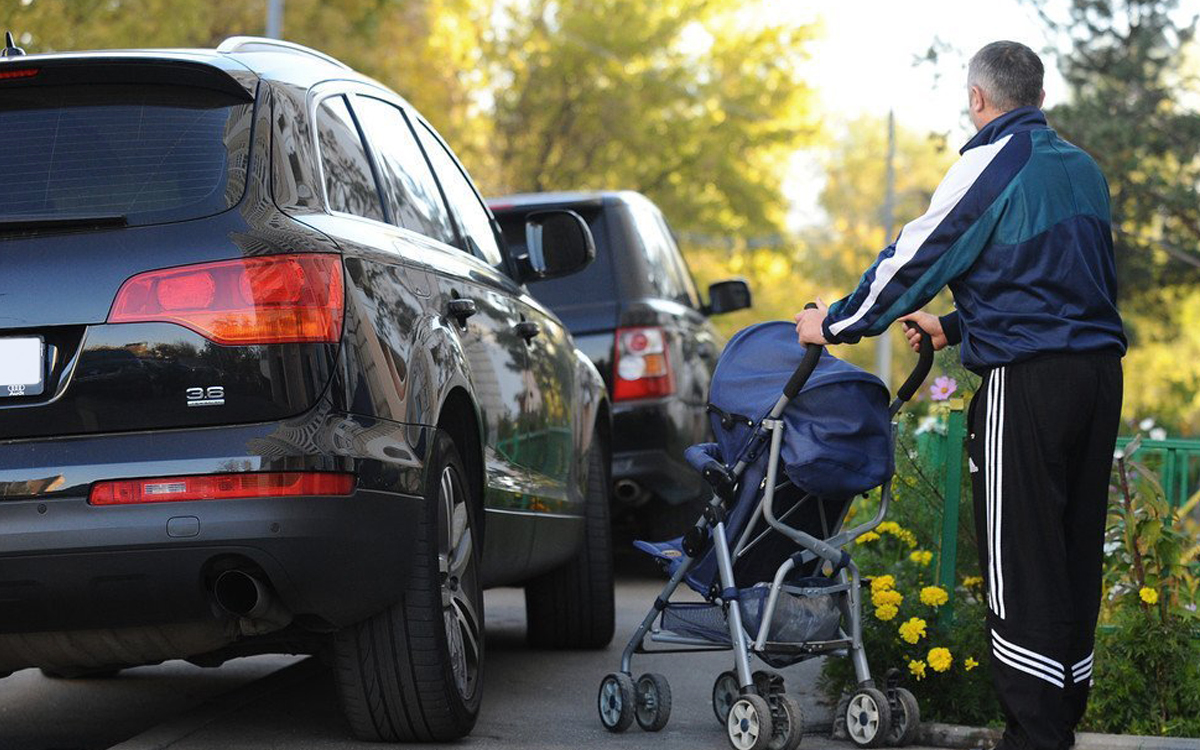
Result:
<point x="276" y="299"/>
<point x="642" y="364"/>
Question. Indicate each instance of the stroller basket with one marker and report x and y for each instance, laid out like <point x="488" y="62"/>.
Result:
<point x="805" y="612"/>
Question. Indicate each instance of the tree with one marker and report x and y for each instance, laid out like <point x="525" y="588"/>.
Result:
<point x="696" y="103"/>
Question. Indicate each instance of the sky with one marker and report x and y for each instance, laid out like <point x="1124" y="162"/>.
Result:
<point x="863" y="63"/>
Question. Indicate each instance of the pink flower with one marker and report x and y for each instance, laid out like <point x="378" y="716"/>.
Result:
<point x="943" y="388"/>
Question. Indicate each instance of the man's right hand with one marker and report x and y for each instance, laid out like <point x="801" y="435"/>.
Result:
<point x="932" y="325"/>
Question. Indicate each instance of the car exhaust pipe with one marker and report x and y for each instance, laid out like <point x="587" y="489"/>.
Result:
<point x="629" y="492"/>
<point x="246" y="597"/>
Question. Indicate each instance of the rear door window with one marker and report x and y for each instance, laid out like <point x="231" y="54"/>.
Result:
<point x="148" y="153"/>
<point x="349" y="183"/>
<point x="413" y="199"/>
<point x="463" y="199"/>
<point x="661" y="255"/>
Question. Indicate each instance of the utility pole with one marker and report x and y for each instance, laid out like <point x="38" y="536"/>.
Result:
<point x="883" y="343"/>
<point x="275" y="19"/>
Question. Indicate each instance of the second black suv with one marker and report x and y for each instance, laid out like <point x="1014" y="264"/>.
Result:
<point x="636" y="313"/>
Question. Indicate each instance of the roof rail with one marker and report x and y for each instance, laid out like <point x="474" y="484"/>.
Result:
<point x="247" y="43"/>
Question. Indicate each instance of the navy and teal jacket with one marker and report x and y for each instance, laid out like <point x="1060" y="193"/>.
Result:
<point x="1020" y="230"/>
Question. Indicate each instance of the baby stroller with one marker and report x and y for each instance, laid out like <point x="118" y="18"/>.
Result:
<point x="768" y="553"/>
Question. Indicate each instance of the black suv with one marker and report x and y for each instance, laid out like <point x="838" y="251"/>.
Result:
<point x="636" y="313"/>
<point x="270" y="381"/>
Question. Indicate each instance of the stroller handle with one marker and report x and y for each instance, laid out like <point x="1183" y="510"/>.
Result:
<point x="812" y="354"/>
<point x="924" y="364"/>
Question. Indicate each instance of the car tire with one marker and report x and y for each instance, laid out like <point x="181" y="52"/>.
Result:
<point x="571" y="607"/>
<point x="414" y="672"/>
<point x="80" y="674"/>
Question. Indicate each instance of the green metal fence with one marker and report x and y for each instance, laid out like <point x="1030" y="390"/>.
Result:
<point x="1176" y="461"/>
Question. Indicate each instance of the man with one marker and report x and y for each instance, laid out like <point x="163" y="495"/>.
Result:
<point x="1020" y="231"/>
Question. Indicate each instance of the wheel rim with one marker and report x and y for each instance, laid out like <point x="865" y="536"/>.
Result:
<point x="647" y="701"/>
<point x="743" y="725"/>
<point x="862" y="718"/>
<point x="460" y="583"/>
<point x="610" y="702"/>
<point x="724" y="694"/>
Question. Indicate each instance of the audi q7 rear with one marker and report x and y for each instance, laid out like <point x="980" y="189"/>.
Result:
<point x="235" y="416"/>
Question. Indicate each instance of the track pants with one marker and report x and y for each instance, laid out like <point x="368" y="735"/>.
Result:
<point x="1041" y="448"/>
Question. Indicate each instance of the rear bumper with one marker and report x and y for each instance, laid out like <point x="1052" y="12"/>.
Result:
<point x="649" y="438"/>
<point x="68" y="566"/>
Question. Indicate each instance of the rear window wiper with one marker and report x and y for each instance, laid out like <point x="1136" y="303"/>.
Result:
<point x="60" y="221"/>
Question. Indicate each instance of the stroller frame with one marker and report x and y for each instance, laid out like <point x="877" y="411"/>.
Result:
<point x="710" y="529"/>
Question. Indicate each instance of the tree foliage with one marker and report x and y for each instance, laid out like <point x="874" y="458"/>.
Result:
<point x="695" y="103"/>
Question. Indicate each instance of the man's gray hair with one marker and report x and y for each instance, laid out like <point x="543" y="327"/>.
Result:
<point x="1009" y="73"/>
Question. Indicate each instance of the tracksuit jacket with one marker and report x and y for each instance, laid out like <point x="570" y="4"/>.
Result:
<point x="1020" y="230"/>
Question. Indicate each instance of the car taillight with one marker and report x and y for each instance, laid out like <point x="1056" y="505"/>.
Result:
<point x="221" y="487"/>
<point x="275" y="299"/>
<point x="641" y="364"/>
<point x="6" y="75"/>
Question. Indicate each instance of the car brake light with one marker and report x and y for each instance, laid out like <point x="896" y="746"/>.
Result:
<point x="274" y="299"/>
<point x="642" y="364"/>
<point x="239" y="486"/>
<point x="18" y="73"/>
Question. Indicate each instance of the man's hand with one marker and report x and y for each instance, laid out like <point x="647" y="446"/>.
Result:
<point x="932" y="325"/>
<point x="808" y="324"/>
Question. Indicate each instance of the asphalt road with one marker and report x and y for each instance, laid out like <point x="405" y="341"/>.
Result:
<point x="533" y="699"/>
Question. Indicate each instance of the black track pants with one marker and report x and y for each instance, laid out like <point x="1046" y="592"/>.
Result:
<point x="1041" y="449"/>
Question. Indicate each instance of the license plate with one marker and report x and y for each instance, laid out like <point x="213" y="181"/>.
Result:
<point x="22" y="361"/>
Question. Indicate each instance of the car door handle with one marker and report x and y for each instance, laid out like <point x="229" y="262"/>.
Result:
<point x="527" y="329"/>
<point x="461" y="308"/>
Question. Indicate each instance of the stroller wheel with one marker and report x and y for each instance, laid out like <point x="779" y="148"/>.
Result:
<point x="787" y="719"/>
<point x="724" y="693"/>
<point x="868" y="718"/>
<point x="653" y="709"/>
<point x="749" y="725"/>
<point x="906" y="717"/>
<point x="616" y="701"/>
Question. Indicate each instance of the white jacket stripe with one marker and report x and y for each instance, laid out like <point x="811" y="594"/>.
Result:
<point x="957" y="182"/>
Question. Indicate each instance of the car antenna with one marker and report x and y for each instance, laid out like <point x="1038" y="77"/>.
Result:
<point x="10" y="47"/>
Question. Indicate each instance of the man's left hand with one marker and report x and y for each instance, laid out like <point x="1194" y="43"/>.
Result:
<point x="809" y="322"/>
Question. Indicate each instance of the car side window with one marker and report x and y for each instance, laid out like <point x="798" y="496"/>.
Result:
<point x="349" y="183"/>
<point x="464" y="201"/>
<point x="413" y="199"/>
<point x="681" y="272"/>
<point x="660" y="265"/>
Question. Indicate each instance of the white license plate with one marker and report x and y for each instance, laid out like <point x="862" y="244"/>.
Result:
<point x="21" y="364"/>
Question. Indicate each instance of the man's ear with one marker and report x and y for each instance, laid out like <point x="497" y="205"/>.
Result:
<point x="1042" y="99"/>
<point x="976" y="99"/>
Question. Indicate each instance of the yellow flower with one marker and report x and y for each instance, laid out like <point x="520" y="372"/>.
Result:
<point x="913" y="630"/>
<point x="973" y="581"/>
<point x="970" y="664"/>
<point x="886" y="612"/>
<point x="921" y="557"/>
<point x="882" y="583"/>
<point x="934" y="596"/>
<point x="940" y="659"/>
<point x="907" y="537"/>
<point x="886" y="596"/>
<point x="1149" y="595"/>
<point x="917" y="667"/>
<point x="870" y="536"/>
<point x="889" y="527"/>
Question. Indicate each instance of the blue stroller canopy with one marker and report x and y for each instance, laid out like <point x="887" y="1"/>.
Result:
<point x="837" y="440"/>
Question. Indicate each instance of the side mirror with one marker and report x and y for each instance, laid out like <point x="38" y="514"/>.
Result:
<point x="558" y="243"/>
<point x="727" y="296"/>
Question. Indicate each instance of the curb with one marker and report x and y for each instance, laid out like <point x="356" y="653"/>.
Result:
<point x="193" y="720"/>
<point x="969" y="738"/>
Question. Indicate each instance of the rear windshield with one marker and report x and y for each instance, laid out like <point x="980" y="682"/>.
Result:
<point x="593" y="284"/>
<point x="148" y="153"/>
